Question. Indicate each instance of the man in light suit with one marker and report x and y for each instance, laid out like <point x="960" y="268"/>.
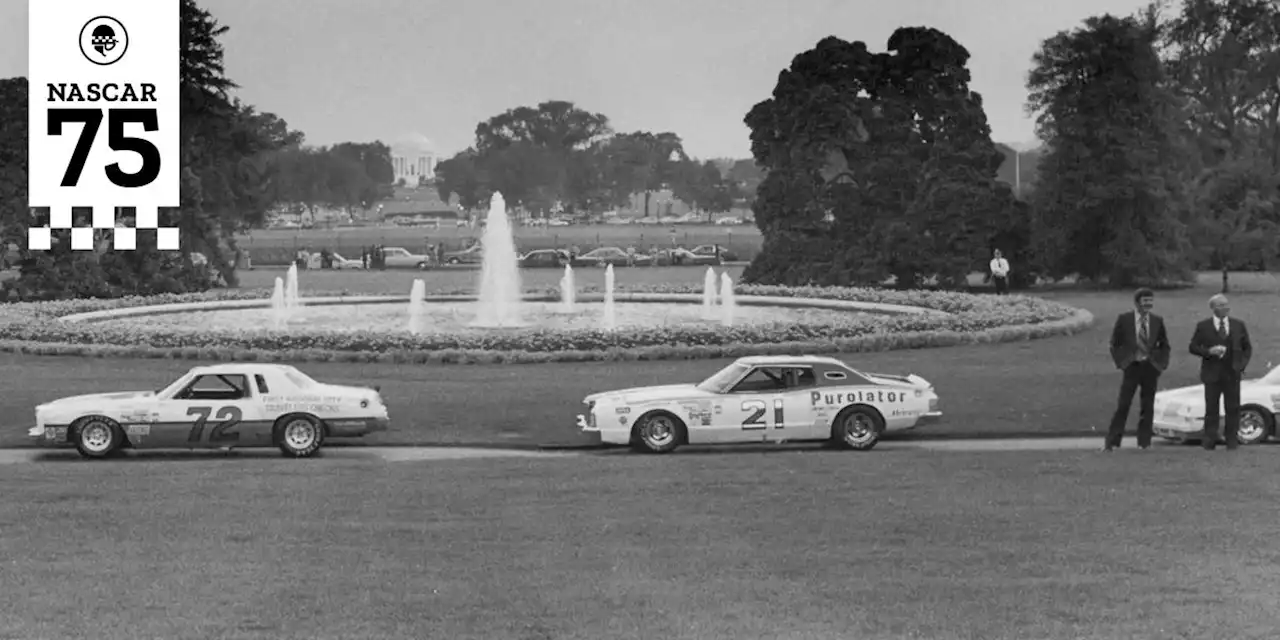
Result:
<point x="1140" y="348"/>
<point x="1222" y="342"/>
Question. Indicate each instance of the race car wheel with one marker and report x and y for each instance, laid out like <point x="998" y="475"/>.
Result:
<point x="1255" y="425"/>
<point x="299" y="436"/>
<point x="657" y="432"/>
<point x="857" y="428"/>
<point x="454" y="261"/>
<point x="98" y="437"/>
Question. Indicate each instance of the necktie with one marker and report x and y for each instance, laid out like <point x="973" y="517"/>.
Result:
<point x="1142" y="330"/>
<point x="1222" y="328"/>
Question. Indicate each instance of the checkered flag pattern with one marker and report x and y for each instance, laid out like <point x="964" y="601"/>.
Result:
<point x="123" y="238"/>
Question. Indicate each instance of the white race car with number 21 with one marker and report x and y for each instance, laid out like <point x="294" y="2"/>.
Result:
<point x="764" y="399"/>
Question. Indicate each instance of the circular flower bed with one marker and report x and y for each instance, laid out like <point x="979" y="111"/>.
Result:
<point x="36" y="327"/>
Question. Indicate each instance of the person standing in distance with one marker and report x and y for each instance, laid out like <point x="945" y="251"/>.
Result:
<point x="1222" y="342"/>
<point x="1000" y="272"/>
<point x="1140" y="348"/>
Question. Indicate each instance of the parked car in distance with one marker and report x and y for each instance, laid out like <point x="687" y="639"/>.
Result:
<point x="545" y="259"/>
<point x="605" y="256"/>
<point x="339" y="262"/>
<point x="400" y="258"/>
<point x="684" y="258"/>
<point x="710" y="250"/>
<point x="473" y="255"/>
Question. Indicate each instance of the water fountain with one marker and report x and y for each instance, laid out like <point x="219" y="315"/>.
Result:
<point x="416" y="295"/>
<point x="279" y="312"/>
<point x="728" y="302"/>
<point x="709" y="295"/>
<point x="568" y="293"/>
<point x="291" y="301"/>
<point x="610" y="319"/>
<point x="499" y="303"/>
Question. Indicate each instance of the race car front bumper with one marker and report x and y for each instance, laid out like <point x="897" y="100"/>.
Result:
<point x="48" y="435"/>
<point x="356" y="427"/>
<point x="930" y="418"/>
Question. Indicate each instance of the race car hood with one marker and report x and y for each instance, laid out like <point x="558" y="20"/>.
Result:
<point x="652" y="394"/>
<point x="93" y="398"/>
<point x="909" y="380"/>
<point x="1194" y="394"/>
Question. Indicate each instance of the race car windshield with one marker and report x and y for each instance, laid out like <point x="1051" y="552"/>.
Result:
<point x="1273" y="376"/>
<point x="720" y="381"/>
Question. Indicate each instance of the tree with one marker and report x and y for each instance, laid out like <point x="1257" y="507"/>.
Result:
<point x="1105" y="199"/>
<point x="877" y="164"/>
<point x="1222" y="61"/>
<point x="14" y="212"/>
<point x="645" y="162"/>
<point x="702" y="186"/>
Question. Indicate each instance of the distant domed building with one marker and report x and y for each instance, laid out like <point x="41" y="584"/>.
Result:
<point x="414" y="159"/>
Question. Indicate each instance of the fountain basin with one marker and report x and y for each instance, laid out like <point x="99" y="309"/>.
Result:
<point x="456" y="317"/>
<point x="621" y="297"/>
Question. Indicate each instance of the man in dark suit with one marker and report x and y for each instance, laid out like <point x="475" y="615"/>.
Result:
<point x="1222" y="342"/>
<point x="1140" y="348"/>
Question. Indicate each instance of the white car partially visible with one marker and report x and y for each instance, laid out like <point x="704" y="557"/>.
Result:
<point x="1179" y="413"/>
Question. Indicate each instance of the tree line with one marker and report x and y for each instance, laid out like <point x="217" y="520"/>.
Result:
<point x="1161" y="154"/>
<point x="558" y="156"/>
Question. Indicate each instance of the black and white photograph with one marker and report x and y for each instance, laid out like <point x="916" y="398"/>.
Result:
<point x="570" y="320"/>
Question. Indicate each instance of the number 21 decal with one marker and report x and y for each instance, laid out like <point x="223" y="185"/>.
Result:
<point x="755" y="421"/>
<point x="229" y="417"/>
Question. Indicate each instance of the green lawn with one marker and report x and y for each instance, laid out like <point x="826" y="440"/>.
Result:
<point x="276" y="245"/>
<point x="1172" y="543"/>
<point x="1059" y="386"/>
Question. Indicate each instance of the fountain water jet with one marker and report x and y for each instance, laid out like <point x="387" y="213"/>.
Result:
<point x="728" y="302"/>
<point x="709" y="295"/>
<point x="291" y="301"/>
<point x="610" y="319"/>
<point x="416" y="295"/>
<point x="279" y="312"/>
<point x="499" y="303"/>
<point x="568" y="294"/>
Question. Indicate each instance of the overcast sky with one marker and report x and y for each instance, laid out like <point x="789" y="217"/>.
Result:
<point x="341" y="70"/>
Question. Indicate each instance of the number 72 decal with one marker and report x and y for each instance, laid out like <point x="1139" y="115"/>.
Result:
<point x="229" y="417"/>
<point x="755" y="421"/>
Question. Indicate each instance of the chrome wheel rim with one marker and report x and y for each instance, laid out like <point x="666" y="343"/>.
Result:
<point x="96" y="437"/>
<point x="658" y="432"/>
<point x="1252" y="426"/>
<point x="300" y="434"/>
<point x="859" y="429"/>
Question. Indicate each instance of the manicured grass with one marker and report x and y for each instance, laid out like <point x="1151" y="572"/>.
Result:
<point x="277" y="245"/>
<point x="821" y="545"/>
<point x="1058" y="386"/>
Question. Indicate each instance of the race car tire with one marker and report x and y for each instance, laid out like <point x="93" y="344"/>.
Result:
<point x="454" y="261"/>
<point x="97" y="436"/>
<point x="857" y="427"/>
<point x="299" y="435"/>
<point x="1256" y="424"/>
<point x="658" y="432"/>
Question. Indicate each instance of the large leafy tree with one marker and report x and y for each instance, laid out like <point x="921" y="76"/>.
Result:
<point x="877" y="164"/>
<point x="1105" y="198"/>
<point x="527" y="153"/>
<point x="1222" y="61"/>
<point x="227" y="147"/>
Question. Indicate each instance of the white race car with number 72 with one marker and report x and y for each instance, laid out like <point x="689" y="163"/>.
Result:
<point x="218" y="406"/>
<point x="763" y="399"/>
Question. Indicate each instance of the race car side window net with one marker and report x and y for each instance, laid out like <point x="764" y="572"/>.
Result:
<point x="216" y="387"/>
